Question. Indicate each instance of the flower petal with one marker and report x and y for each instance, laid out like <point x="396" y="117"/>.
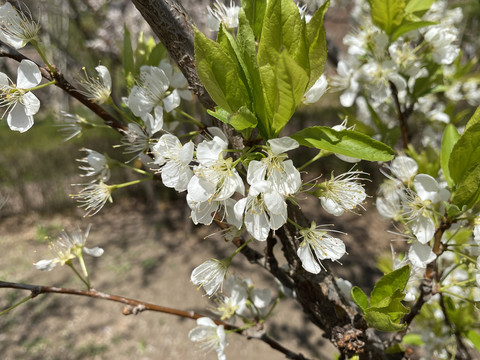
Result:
<point x="28" y="75"/>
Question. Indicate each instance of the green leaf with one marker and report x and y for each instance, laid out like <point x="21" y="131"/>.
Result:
<point x="418" y="7"/>
<point x="290" y="84"/>
<point x="465" y="153"/>
<point x="468" y="190"/>
<point x="450" y="137"/>
<point x="344" y="142"/>
<point x="255" y="12"/>
<point x="127" y="58"/>
<point x="220" y="74"/>
<point x="248" y="51"/>
<point x="389" y="284"/>
<point x="387" y="14"/>
<point x="158" y="53"/>
<point x="283" y="28"/>
<point x="359" y="298"/>
<point x="452" y="210"/>
<point x="413" y="339"/>
<point x="382" y="322"/>
<point x="242" y="119"/>
<point x="317" y="44"/>
<point x="474" y="337"/>
<point x="407" y="26"/>
<point x="475" y="119"/>
<point x="229" y="45"/>
<point x="396" y="348"/>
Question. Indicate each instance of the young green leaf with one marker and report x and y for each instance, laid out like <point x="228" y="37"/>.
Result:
<point x="450" y="137"/>
<point x="291" y="81"/>
<point x="407" y="26"/>
<point x="382" y="322"/>
<point x="283" y="28"/>
<point x="158" y="53"/>
<point x="359" y="298"/>
<point x="468" y="190"/>
<point x="387" y="14"/>
<point x="418" y="7"/>
<point x="389" y="284"/>
<point x="220" y="74"/>
<point x="344" y="142"/>
<point x="127" y="58"/>
<point x="465" y="153"/>
<point x="475" y="119"/>
<point x="474" y="337"/>
<point x="317" y="44"/>
<point x="255" y="12"/>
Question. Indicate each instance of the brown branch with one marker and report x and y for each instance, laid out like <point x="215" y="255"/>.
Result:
<point x="65" y="85"/>
<point x="402" y="115"/>
<point x="136" y="306"/>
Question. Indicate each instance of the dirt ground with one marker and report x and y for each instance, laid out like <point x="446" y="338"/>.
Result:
<point x="149" y="255"/>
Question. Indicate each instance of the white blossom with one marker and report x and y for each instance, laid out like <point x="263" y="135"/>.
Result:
<point x="236" y="300"/>
<point x="320" y="243"/>
<point x="93" y="197"/>
<point x="151" y="91"/>
<point x="67" y="247"/>
<point x="220" y="13"/>
<point x="209" y="336"/>
<point x="262" y="210"/>
<point x="97" y="89"/>
<point x="17" y="28"/>
<point x="71" y="125"/>
<point x="215" y="178"/>
<point x="20" y="102"/>
<point x="403" y="168"/>
<point x="342" y="192"/>
<point x="210" y="275"/>
<point x="174" y="159"/>
<point x="441" y="38"/>
<point x="346" y="80"/>
<point x="97" y="165"/>
<point x="176" y="79"/>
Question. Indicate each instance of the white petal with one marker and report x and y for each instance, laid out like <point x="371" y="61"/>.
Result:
<point x="332" y="207"/>
<point x="423" y="228"/>
<point x="96" y="251"/>
<point x="421" y="255"/>
<point x="104" y="75"/>
<point x="257" y="223"/>
<point x="256" y="172"/>
<point x="4" y="79"/>
<point x="309" y="262"/>
<point x="172" y="101"/>
<point x="185" y="154"/>
<point x="45" y="265"/>
<point x="31" y="103"/>
<point x="215" y="131"/>
<point x="18" y="120"/>
<point x="200" y="190"/>
<point x="426" y="187"/>
<point x="316" y="91"/>
<point x="28" y="75"/>
<point x="282" y="144"/>
<point x="404" y="168"/>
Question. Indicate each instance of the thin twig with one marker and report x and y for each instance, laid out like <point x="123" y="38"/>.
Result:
<point x="402" y="116"/>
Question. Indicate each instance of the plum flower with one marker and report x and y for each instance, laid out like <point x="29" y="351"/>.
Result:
<point x="342" y="192"/>
<point x="220" y="13"/>
<point x="264" y="209"/>
<point x="210" y="275"/>
<point x="97" y="165"/>
<point x="93" y="197"/>
<point x="151" y="91"/>
<point x="68" y="247"/>
<point x="20" y="102"/>
<point x="174" y="160"/>
<point x="216" y="178"/>
<point x="97" y="89"/>
<point x="235" y="303"/>
<point x="209" y="336"/>
<point x="417" y="206"/>
<point x="320" y="243"/>
<point x="275" y="168"/>
<point x="17" y="28"/>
